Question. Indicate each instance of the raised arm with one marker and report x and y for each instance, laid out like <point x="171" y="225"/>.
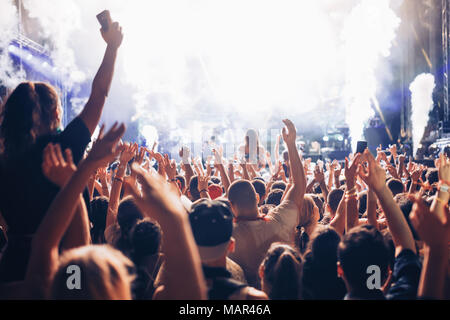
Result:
<point x="221" y="168"/>
<point x="434" y="231"/>
<point x="45" y="244"/>
<point x="297" y="192"/>
<point x="319" y="177"/>
<point x="59" y="170"/>
<point x="338" y="222"/>
<point x="102" y="82"/>
<point x="351" y="195"/>
<point x="128" y="152"/>
<point x="183" y="266"/>
<point x="372" y="208"/>
<point x="375" y="177"/>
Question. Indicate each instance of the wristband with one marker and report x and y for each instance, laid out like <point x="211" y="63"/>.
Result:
<point x="351" y="197"/>
<point x="444" y="187"/>
<point x="118" y="179"/>
<point x="203" y="190"/>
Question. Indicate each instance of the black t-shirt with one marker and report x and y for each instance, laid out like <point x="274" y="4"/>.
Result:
<point x="405" y="280"/>
<point x="25" y="193"/>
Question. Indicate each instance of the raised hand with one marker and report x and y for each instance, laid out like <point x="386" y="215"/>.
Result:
<point x="444" y="168"/>
<point x="416" y="174"/>
<point x="202" y="183"/>
<point x="393" y="150"/>
<point x="128" y="152"/>
<point x="106" y="148"/>
<point x="431" y="228"/>
<point x="54" y="167"/>
<point x="318" y="174"/>
<point x="337" y="171"/>
<point x="157" y="200"/>
<point x="113" y="36"/>
<point x="289" y="132"/>
<point x="102" y="174"/>
<point x="374" y="176"/>
<point x="184" y="154"/>
<point x="170" y="166"/>
<point x="350" y="171"/>
<point x="140" y="155"/>
<point x="217" y="157"/>
<point x="392" y="171"/>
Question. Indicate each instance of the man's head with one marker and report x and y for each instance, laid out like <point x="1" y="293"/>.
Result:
<point x="334" y="198"/>
<point x="128" y="214"/>
<point x="243" y="198"/>
<point x="194" y="193"/>
<point x="396" y="186"/>
<point x="212" y="226"/>
<point x="145" y="239"/>
<point x="274" y="197"/>
<point x="278" y="185"/>
<point x="361" y="248"/>
<point x="260" y="188"/>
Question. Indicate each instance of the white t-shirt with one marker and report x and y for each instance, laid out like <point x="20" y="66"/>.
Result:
<point x="253" y="238"/>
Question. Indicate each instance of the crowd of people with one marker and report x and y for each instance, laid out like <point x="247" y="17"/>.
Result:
<point x="135" y="224"/>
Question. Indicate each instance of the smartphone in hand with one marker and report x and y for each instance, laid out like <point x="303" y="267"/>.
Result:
<point x="104" y="18"/>
<point x="361" y="146"/>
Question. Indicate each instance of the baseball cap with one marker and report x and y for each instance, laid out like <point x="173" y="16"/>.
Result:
<point x="212" y="226"/>
<point x="215" y="191"/>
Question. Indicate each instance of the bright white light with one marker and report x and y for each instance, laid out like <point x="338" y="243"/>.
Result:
<point x="150" y="134"/>
<point x="368" y="34"/>
<point x="421" y="103"/>
<point x="251" y="59"/>
<point x="326" y="138"/>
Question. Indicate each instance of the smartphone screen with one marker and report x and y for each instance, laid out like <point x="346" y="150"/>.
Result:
<point x="361" y="146"/>
<point x="104" y="18"/>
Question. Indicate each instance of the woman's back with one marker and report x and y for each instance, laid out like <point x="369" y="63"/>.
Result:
<point x="26" y="194"/>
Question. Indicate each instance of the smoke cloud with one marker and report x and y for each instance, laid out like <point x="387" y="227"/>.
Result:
<point x="422" y="102"/>
<point x="192" y="65"/>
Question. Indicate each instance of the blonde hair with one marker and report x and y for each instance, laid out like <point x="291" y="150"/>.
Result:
<point x="306" y="216"/>
<point x="305" y="219"/>
<point x="105" y="274"/>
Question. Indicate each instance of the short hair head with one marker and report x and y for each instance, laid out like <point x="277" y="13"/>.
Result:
<point x="105" y="274"/>
<point x="334" y="198"/>
<point x="274" y="197"/>
<point x="362" y="247"/>
<point x="260" y="188"/>
<point x="128" y="214"/>
<point x="145" y="239"/>
<point x="193" y="188"/>
<point x="242" y="196"/>
<point x="396" y="186"/>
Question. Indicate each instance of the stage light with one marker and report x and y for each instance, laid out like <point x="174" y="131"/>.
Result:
<point x="326" y="138"/>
